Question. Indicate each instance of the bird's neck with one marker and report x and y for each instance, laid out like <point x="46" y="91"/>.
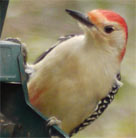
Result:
<point x="100" y="46"/>
<point x="100" y="53"/>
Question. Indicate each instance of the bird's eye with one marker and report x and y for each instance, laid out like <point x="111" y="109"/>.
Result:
<point x="108" y="29"/>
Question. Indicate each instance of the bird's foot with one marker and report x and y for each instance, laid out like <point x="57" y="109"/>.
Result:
<point x="28" y="68"/>
<point x="53" y="121"/>
<point x="23" y="46"/>
<point x="15" y="40"/>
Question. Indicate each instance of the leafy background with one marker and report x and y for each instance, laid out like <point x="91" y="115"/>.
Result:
<point x="39" y="23"/>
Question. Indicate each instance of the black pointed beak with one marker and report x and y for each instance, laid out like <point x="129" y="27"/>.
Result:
<point x="80" y="17"/>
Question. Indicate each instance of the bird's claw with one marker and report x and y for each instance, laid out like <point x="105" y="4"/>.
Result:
<point x="16" y="40"/>
<point x="23" y="46"/>
<point x="53" y="121"/>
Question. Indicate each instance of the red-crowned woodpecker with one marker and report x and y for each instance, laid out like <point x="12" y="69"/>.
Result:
<point x="77" y="78"/>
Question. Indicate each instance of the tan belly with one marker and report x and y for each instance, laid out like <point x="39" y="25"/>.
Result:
<point x="70" y="89"/>
<point x="70" y="104"/>
<point x="70" y="98"/>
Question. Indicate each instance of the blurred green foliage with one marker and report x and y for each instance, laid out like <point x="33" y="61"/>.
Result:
<point x="39" y="23"/>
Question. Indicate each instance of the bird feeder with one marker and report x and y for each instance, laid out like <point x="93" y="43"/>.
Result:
<point x="18" y="118"/>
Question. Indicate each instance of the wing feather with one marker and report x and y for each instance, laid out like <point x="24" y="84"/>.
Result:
<point x="60" y="40"/>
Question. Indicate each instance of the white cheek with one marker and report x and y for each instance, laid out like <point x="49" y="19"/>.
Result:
<point x="118" y="38"/>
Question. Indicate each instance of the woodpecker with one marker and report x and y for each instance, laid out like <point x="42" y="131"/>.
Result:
<point x="77" y="78"/>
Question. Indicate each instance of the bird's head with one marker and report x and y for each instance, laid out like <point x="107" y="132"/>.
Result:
<point x="106" y="27"/>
